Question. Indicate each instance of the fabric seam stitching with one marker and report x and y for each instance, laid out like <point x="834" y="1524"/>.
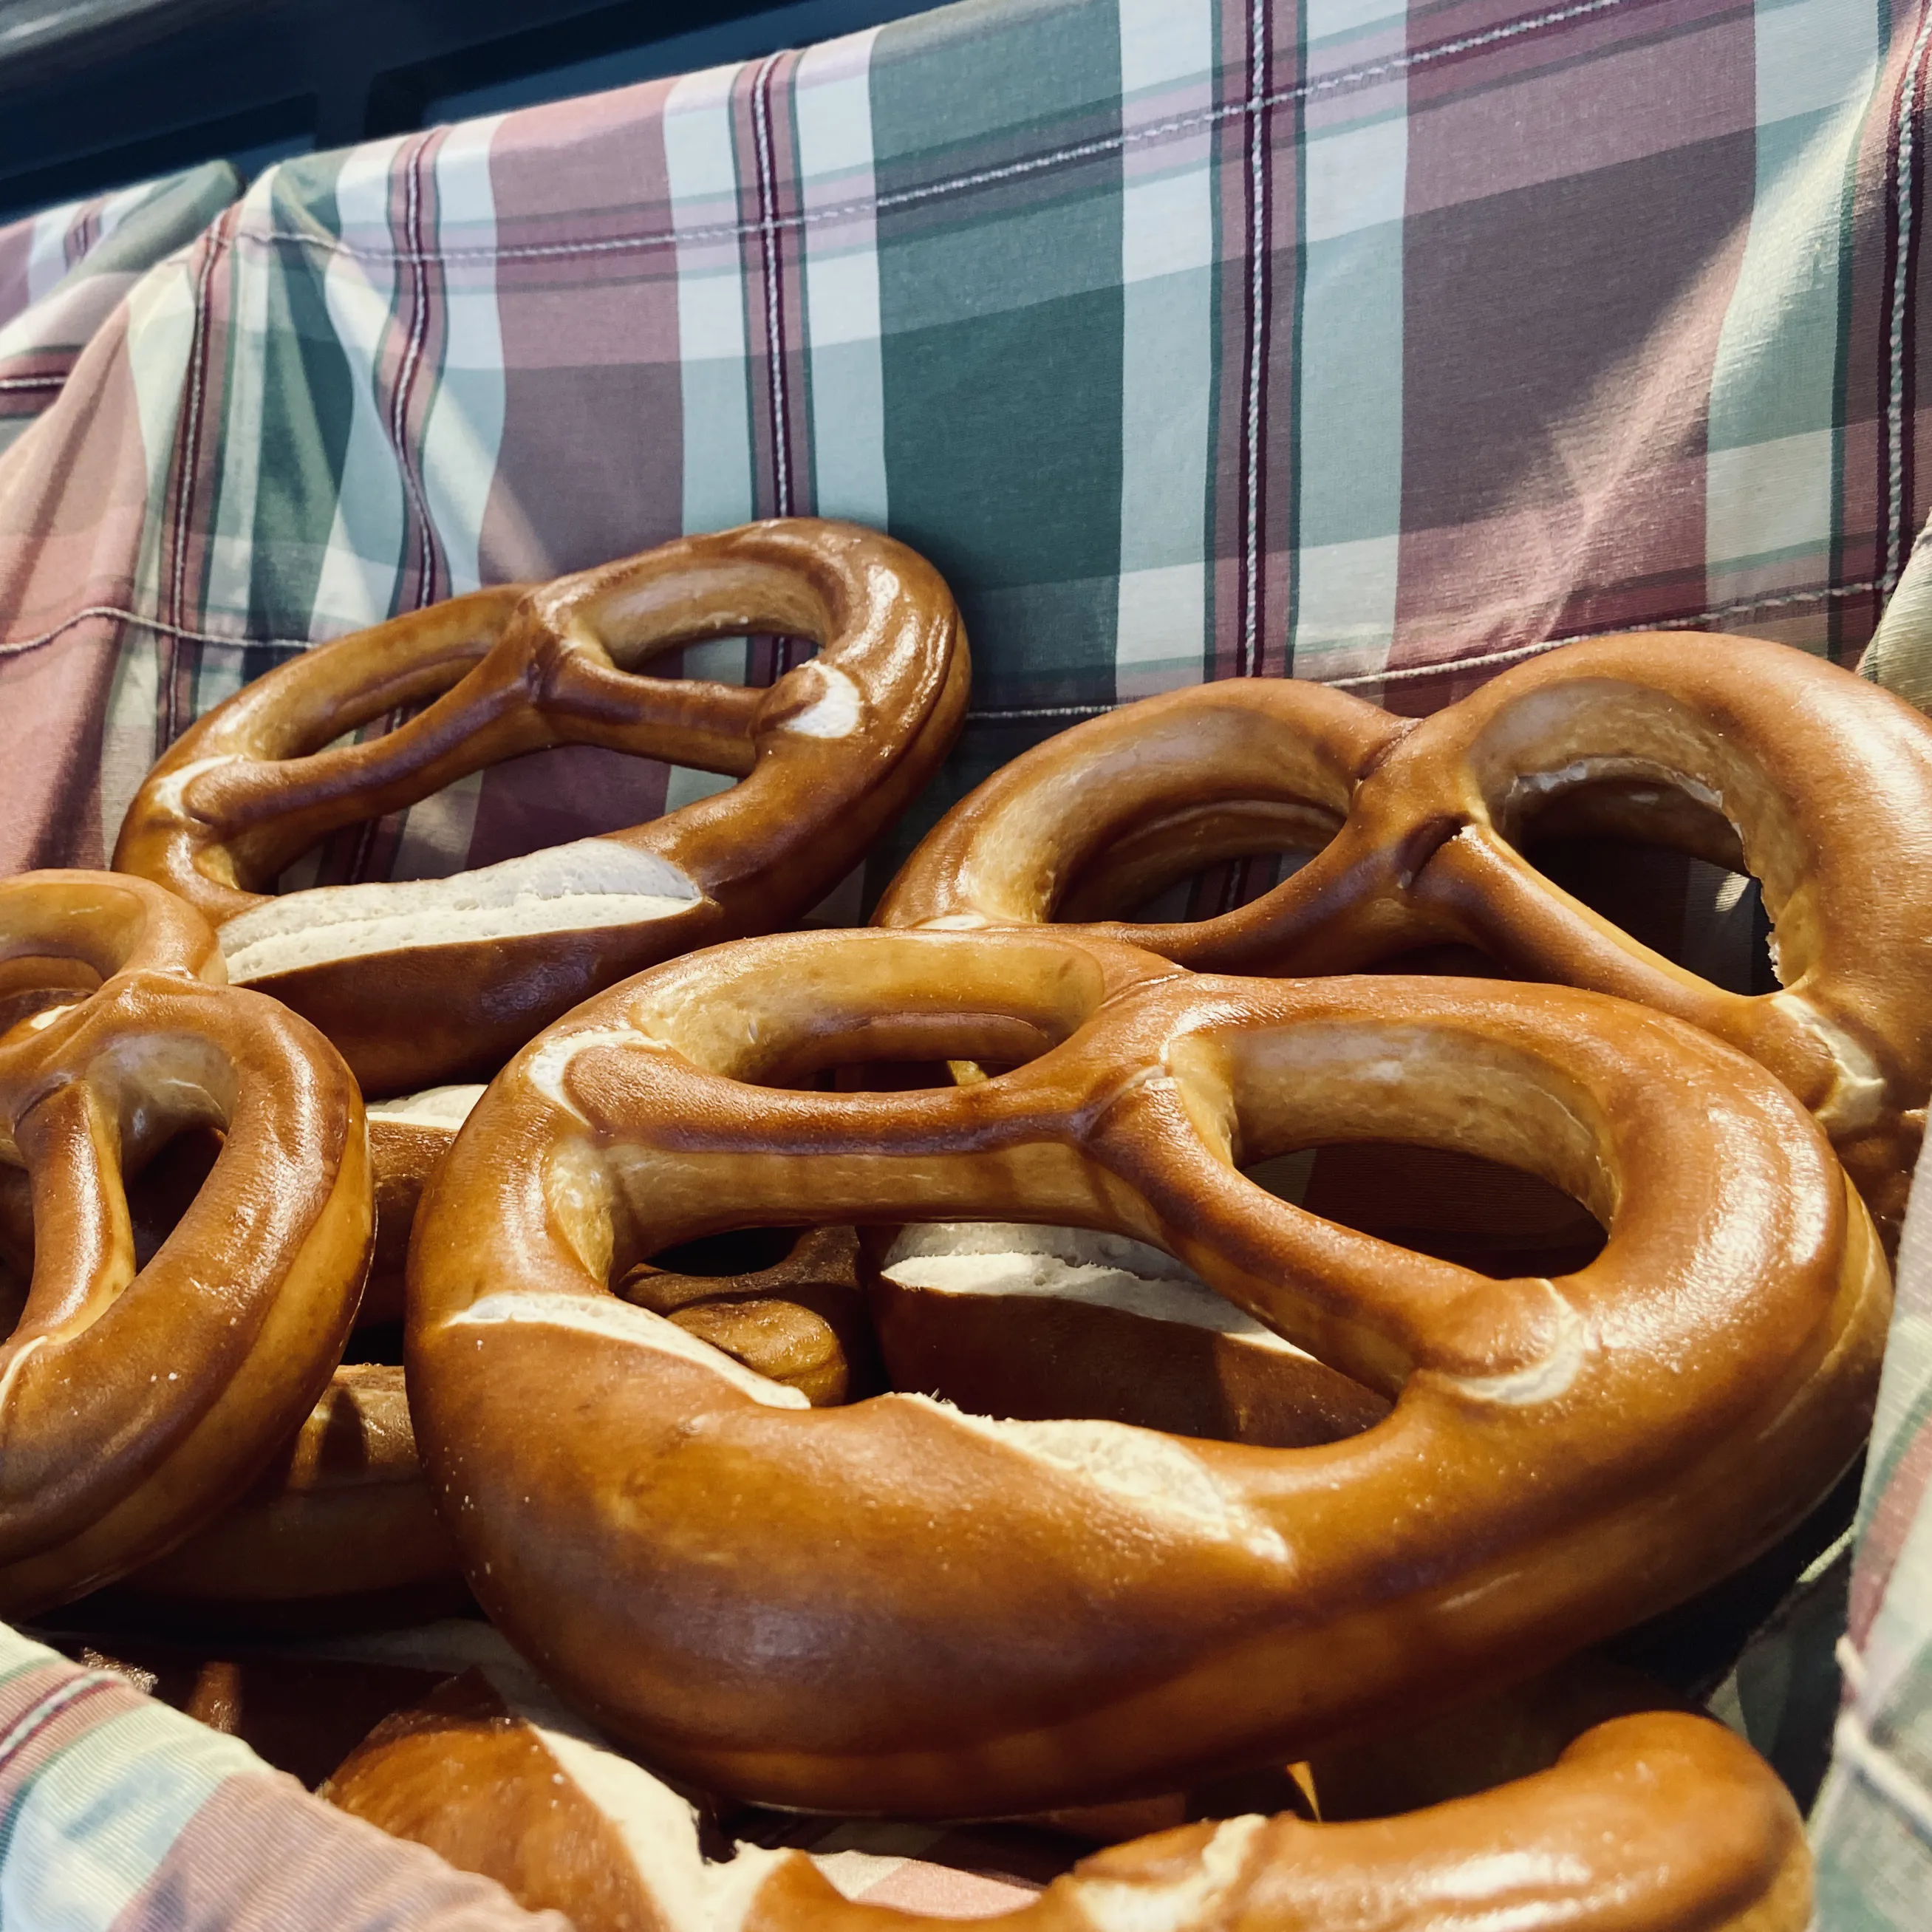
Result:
<point x="1402" y="673"/>
<point x="1154" y="132"/>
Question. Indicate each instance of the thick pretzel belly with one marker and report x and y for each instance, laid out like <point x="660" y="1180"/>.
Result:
<point x="896" y="1606"/>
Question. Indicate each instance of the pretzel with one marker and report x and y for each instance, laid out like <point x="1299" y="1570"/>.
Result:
<point x="801" y="1321"/>
<point x="63" y="934"/>
<point x="407" y="1138"/>
<point x="1656" y="1823"/>
<point x="1038" y="1322"/>
<point x="893" y="1604"/>
<point x="338" y="1529"/>
<point x="1035" y="1323"/>
<point x="1749" y="754"/>
<point x="136" y="1402"/>
<point x="442" y="979"/>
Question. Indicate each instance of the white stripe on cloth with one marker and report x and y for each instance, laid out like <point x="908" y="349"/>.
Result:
<point x="463" y="439"/>
<point x="361" y="562"/>
<point x="1348" y="430"/>
<point x="1168" y="347"/>
<point x="1769" y="487"/>
<point x="160" y="339"/>
<point x="231" y="542"/>
<point x="713" y="367"/>
<point x="832" y="115"/>
<point x="46" y="257"/>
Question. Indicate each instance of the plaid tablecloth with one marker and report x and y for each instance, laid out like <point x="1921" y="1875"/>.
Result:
<point x="1190" y="339"/>
<point x="64" y="272"/>
<point x="117" y="1814"/>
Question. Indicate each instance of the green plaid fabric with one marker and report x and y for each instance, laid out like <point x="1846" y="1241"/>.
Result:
<point x="1381" y="345"/>
<point x="1188" y="338"/>
<point x="63" y="272"/>
<point x="1872" y="1826"/>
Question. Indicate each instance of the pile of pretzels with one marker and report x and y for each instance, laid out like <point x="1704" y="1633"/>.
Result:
<point x="1040" y="1455"/>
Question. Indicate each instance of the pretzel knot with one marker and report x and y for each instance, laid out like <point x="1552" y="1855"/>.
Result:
<point x="136" y="1403"/>
<point x="1747" y="755"/>
<point x="435" y="979"/>
<point x="894" y="1606"/>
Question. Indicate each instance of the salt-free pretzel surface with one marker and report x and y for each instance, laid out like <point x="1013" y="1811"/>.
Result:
<point x="1749" y="754"/>
<point x="136" y="1402"/>
<point x="1659" y="1822"/>
<point x="894" y="1605"/>
<point x="440" y="979"/>
<point x="63" y="934"/>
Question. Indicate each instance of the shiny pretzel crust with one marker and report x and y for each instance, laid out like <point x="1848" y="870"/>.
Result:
<point x="135" y="1405"/>
<point x="893" y="1606"/>
<point x="1659" y="1822"/>
<point x="341" y="1517"/>
<point x="442" y="979"/>
<point x="1816" y="781"/>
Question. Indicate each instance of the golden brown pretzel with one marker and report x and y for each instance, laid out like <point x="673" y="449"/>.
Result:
<point x="339" y="1528"/>
<point x="1034" y="1323"/>
<point x="1037" y="1322"/>
<point x="1747" y="753"/>
<point x="801" y="1321"/>
<point x="892" y="1605"/>
<point x="136" y="1402"/>
<point x="1657" y="1823"/>
<point x="63" y="933"/>
<point x="445" y="978"/>
<point x="407" y="1138"/>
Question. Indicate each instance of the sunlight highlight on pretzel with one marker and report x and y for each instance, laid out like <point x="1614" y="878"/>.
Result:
<point x="1751" y="755"/>
<point x="435" y="979"/>
<point x="136" y="1401"/>
<point x="897" y="1605"/>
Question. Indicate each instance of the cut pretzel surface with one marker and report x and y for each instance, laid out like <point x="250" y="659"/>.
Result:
<point x="1656" y="1823"/>
<point x="896" y="1606"/>
<point x="1748" y="755"/>
<point x="438" y="980"/>
<point x="136" y="1401"/>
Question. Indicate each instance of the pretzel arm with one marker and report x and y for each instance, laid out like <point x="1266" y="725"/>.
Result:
<point x="422" y="982"/>
<point x="133" y="1404"/>
<point x="1018" y="1611"/>
<point x="693" y="721"/>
